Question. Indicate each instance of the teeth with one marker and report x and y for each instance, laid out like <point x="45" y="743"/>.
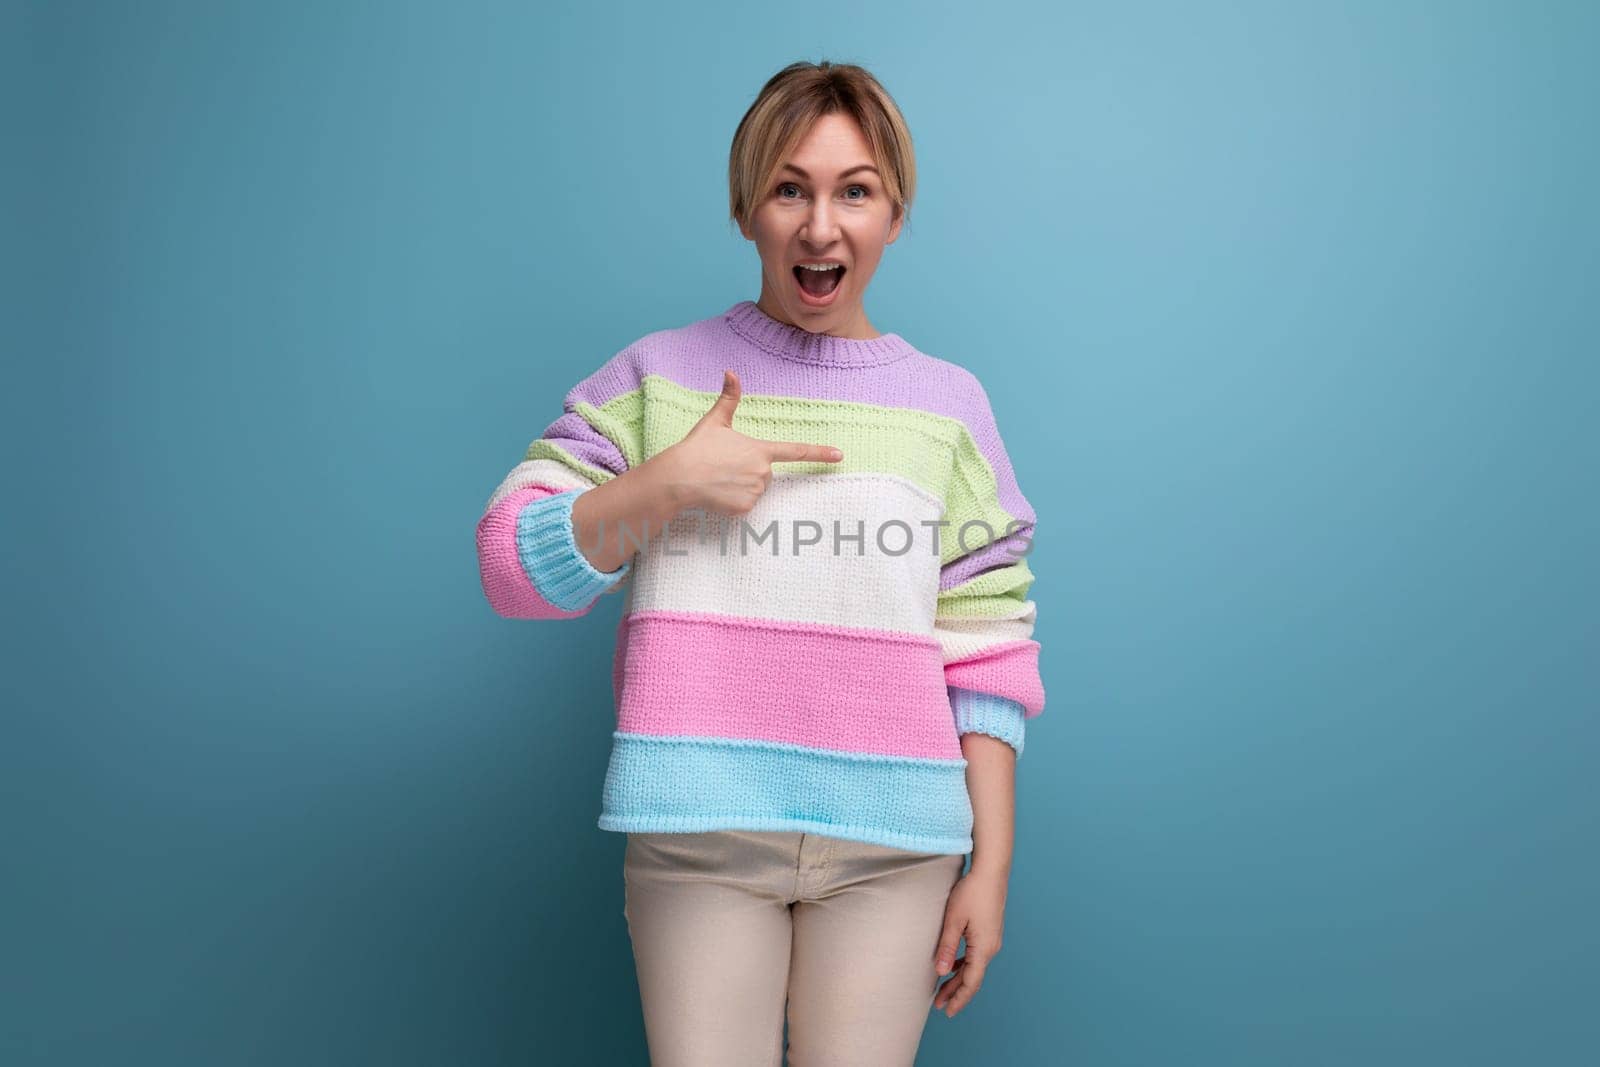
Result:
<point x="819" y="266"/>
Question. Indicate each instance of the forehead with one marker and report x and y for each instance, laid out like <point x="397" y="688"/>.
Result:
<point x="833" y="143"/>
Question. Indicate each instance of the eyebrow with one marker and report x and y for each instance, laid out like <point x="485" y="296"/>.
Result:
<point x="843" y="173"/>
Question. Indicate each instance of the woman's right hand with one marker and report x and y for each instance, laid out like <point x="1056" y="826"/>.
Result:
<point x="718" y="469"/>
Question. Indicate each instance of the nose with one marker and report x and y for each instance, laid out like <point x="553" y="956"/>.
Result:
<point x="820" y="228"/>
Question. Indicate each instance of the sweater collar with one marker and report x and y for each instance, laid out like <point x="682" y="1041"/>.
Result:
<point x="802" y="346"/>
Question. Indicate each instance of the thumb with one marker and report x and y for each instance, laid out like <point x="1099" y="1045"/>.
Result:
<point x="945" y="956"/>
<point x="722" y="409"/>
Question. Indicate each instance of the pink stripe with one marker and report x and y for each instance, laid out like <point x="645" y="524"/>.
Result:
<point x="714" y="675"/>
<point x="505" y="582"/>
<point x="1009" y="669"/>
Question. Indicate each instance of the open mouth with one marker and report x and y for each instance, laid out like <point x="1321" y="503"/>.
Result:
<point x="818" y="283"/>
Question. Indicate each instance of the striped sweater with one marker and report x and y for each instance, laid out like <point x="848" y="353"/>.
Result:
<point x="811" y="665"/>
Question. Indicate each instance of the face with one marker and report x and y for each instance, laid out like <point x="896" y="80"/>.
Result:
<point x="826" y="203"/>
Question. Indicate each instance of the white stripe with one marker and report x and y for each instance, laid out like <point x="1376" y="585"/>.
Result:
<point x="961" y="639"/>
<point x="538" y="472"/>
<point x="687" y="569"/>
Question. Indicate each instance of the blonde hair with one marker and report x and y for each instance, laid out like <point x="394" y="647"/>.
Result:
<point x="784" y="111"/>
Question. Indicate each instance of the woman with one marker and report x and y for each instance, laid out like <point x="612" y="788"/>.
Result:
<point x="814" y="732"/>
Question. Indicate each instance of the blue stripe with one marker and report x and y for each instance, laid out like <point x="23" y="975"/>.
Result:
<point x="658" y="784"/>
<point x="551" y="558"/>
<point x="985" y="713"/>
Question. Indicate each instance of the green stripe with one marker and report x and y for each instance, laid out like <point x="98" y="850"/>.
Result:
<point x="546" y="449"/>
<point x="620" y="419"/>
<point x="935" y="452"/>
<point x="994" y="594"/>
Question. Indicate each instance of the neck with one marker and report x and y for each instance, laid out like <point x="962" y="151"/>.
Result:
<point x="848" y="321"/>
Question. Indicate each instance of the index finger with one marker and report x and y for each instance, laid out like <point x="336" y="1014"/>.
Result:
<point x="799" y="452"/>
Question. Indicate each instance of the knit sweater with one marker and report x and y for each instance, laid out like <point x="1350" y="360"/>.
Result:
<point x="811" y="665"/>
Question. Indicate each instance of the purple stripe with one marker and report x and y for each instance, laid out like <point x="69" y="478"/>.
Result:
<point x="585" y="443"/>
<point x="998" y="553"/>
<point x="694" y="356"/>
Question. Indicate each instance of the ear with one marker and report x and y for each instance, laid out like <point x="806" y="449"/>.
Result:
<point x="748" y="236"/>
<point x="894" y="228"/>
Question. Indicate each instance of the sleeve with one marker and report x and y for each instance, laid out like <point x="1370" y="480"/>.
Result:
<point x="528" y="557"/>
<point x="983" y="618"/>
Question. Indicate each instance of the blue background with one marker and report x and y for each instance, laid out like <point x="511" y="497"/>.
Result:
<point x="1287" y="312"/>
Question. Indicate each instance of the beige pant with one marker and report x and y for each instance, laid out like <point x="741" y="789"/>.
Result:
<point x="728" y="924"/>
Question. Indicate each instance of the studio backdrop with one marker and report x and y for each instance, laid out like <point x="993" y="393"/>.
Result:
<point x="1286" y="314"/>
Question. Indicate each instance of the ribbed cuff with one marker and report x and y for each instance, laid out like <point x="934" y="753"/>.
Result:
<point x="550" y="556"/>
<point x="986" y="713"/>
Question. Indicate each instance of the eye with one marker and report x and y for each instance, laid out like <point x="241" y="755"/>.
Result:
<point x="865" y="192"/>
